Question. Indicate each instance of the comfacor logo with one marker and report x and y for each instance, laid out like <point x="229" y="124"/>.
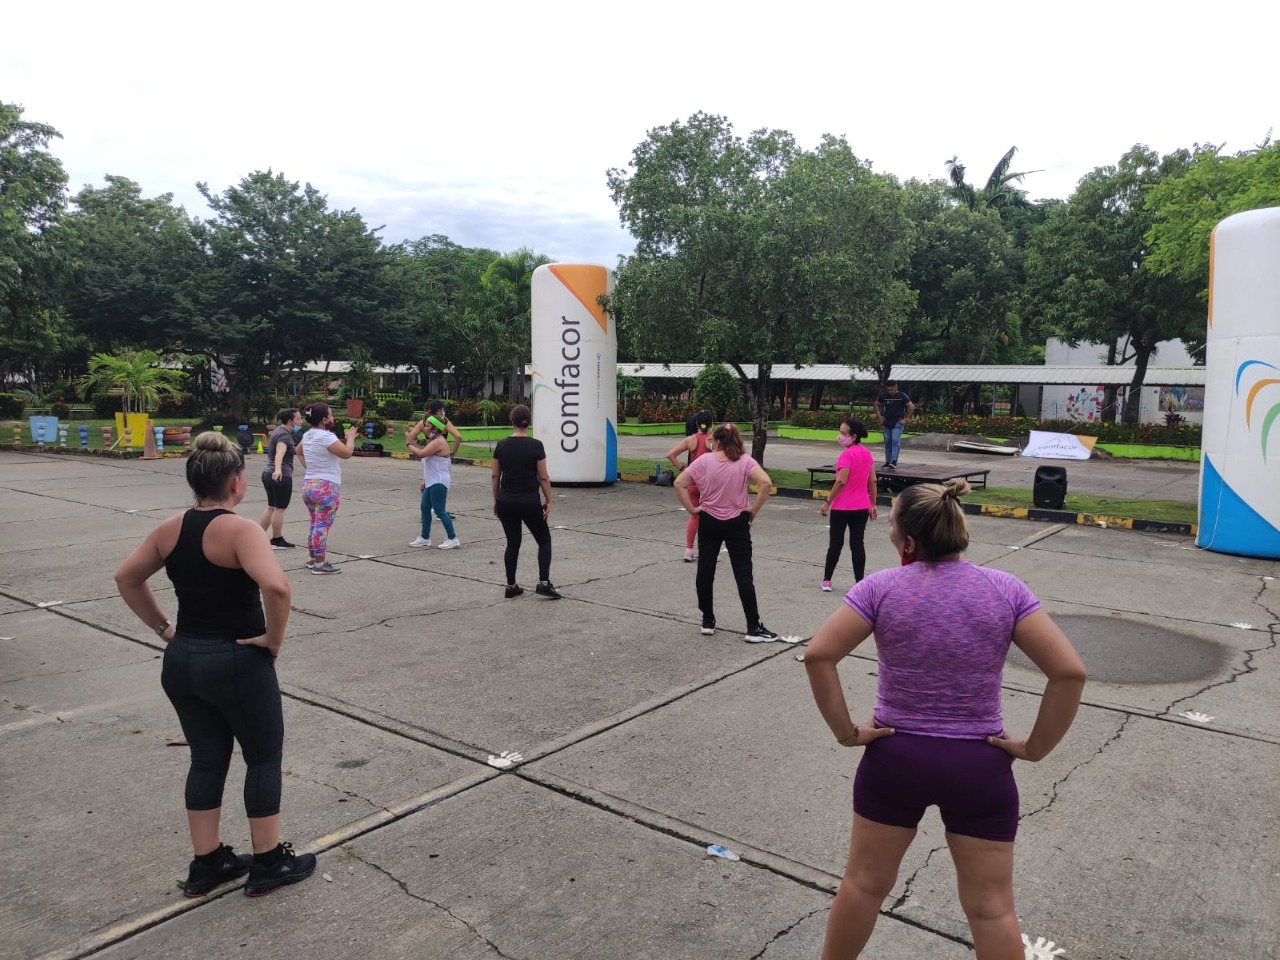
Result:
<point x="569" y="383"/>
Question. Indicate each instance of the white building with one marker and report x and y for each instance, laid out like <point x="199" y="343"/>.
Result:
<point x="1085" y="401"/>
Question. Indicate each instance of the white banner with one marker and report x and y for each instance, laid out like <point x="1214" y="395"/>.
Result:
<point x="1058" y="446"/>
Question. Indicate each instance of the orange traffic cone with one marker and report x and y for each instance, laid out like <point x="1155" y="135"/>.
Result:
<point x="149" y="443"/>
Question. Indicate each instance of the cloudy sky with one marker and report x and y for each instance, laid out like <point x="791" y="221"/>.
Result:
<point x="495" y="123"/>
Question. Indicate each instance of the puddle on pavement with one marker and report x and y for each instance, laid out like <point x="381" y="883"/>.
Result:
<point x="1116" y="650"/>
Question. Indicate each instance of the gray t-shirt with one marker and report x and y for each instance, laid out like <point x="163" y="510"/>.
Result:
<point x="281" y="434"/>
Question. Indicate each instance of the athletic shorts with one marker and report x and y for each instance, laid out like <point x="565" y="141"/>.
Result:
<point x="279" y="492"/>
<point x="970" y="781"/>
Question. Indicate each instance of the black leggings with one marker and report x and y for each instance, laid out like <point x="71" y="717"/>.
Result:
<point x="223" y="691"/>
<point x="515" y="516"/>
<point x="735" y="534"/>
<point x="856" y="523"/>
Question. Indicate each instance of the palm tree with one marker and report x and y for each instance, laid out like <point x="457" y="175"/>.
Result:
<point x="507" y="282"/>
<point x="998" y="191"/>
<point x="136" y="374"/>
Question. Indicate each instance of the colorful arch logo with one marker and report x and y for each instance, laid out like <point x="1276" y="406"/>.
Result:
<point x="1258" y="385"/>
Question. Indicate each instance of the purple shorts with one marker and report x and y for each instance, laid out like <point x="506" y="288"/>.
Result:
<point x="970" y="781"/>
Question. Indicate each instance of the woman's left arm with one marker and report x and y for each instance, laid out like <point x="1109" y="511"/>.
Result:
<point x="544" y="480"/>
<point x="872" y="492"/>
<point x="764" y="488"/>
<point x="836" y="639"/>
<point x="495" y="481"/>
<point x="131" y="581"/>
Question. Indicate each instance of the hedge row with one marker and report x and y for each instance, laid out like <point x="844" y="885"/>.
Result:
<point x="1180" y="435"/>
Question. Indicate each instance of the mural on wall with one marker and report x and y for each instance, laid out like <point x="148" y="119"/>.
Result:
<point x="1182" y="399"/>
<point x="1084" y="404"/>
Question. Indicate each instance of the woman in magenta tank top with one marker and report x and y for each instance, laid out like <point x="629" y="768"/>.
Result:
<point x="943" y="628"/>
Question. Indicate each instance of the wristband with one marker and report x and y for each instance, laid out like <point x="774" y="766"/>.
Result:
<point x="849" y="739"/>
<point x="162" y="627"/>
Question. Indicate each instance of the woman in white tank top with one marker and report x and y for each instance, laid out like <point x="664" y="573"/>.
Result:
<point x="436" y="456"/>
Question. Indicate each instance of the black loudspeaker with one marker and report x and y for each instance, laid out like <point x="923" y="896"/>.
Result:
<point x="1049" y="489"/>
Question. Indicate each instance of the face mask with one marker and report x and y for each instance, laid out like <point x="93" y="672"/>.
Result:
<point x="296" y="431"/>
<point x="845" y="440"/>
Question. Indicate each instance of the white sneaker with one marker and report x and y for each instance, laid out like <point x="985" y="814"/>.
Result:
<point x="420" y="542"/>
<point x="453" y="543"/>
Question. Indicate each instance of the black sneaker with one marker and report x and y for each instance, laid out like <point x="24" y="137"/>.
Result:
<point x="545" y="589"/>
<point x="708" y="626"/>
<point x="203" y="876"/>
<point x="280" y="867"/>
<point x="513" y="591"/>
<point x="891" y="466"/>
<point x="760" y="634"/>
<point x="280" y="543"/>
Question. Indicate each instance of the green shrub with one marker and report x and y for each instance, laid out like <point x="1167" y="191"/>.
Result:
<point x="60" y="410"/>
<point x="379" y="430"/>
<point x="107" y="405"/>
<point x="819" y="419"/>
<point x="11" y="406"/>
<point x="397" y="408"/>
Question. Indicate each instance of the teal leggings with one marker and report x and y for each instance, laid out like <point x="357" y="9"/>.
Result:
<point x="434" y="498"/>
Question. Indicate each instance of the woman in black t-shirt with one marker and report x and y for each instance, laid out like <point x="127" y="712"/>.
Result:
<point x="519" y="472"/>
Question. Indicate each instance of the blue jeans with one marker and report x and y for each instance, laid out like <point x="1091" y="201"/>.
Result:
<point x="892" y="442"/>
<point x="434" y="498"/>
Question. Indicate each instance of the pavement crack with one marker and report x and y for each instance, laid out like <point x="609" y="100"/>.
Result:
<point x="1053" y="789"/>
<point x="404" y="886"/>
<point x="346" y="793"/>
<point x="906" y="889"/>
<point x="785" y="930"/>
<point x="1248" y="666"/>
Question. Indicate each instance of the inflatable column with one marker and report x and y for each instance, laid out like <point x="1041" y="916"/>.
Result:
<point x="1240" y="449"/>
<point x="575" y="373"/>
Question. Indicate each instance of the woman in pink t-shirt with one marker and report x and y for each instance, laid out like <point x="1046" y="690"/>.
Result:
<point x="943" y="628"/>
<point x="851" y="502"/>
<point x="725" y="518"/>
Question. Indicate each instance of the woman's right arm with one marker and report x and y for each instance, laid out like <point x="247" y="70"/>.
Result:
<point x="842" y="477"/>
<point x="495" y="481"/>
<point x="839" y="634"/>
<point x="1049" y="649"/>
<point x="679" y="448"/>
<point x="131" y="581"/>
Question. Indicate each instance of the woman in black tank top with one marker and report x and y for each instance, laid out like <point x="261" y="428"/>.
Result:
<point x="219" y="665"/>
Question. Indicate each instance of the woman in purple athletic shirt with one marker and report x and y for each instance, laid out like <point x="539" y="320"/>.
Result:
<point x="943" y="628"/>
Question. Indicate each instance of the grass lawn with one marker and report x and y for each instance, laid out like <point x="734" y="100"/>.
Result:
<point x="1171" y="511"/>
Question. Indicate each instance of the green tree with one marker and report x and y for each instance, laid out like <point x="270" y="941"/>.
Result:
<point x="1086" y="267"/>
<point x="1186" y="208"/>
<point x="751" y="252"/>
<point x="290" y="281"/>
<point x="717" y="389"/>
<point x="133" y="264"/>
<point x="136" y="374"/>
<point x="433" y="281"/>
<point x="965" y="269"/>
<point x="32" y="197"/>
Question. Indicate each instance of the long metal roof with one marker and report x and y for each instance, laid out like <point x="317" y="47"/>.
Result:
<point x="1069" y="375"/>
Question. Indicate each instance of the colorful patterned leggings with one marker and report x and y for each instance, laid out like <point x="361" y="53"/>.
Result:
<point x="321" y="498"/>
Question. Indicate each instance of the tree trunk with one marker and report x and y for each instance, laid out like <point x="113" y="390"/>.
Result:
<point x="1133" y="396"/>
<point x="815" y="397"/>
<point x="760" y="424"/>
<point x="517" y="381"/>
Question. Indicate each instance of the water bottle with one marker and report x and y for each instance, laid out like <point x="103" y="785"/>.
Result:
<point x="657" y="470"/>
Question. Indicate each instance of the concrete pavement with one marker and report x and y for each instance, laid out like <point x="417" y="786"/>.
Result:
<point x="1147" y="835"/>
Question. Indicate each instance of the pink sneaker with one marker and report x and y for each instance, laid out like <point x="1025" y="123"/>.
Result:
<point x="826" y="586"/>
